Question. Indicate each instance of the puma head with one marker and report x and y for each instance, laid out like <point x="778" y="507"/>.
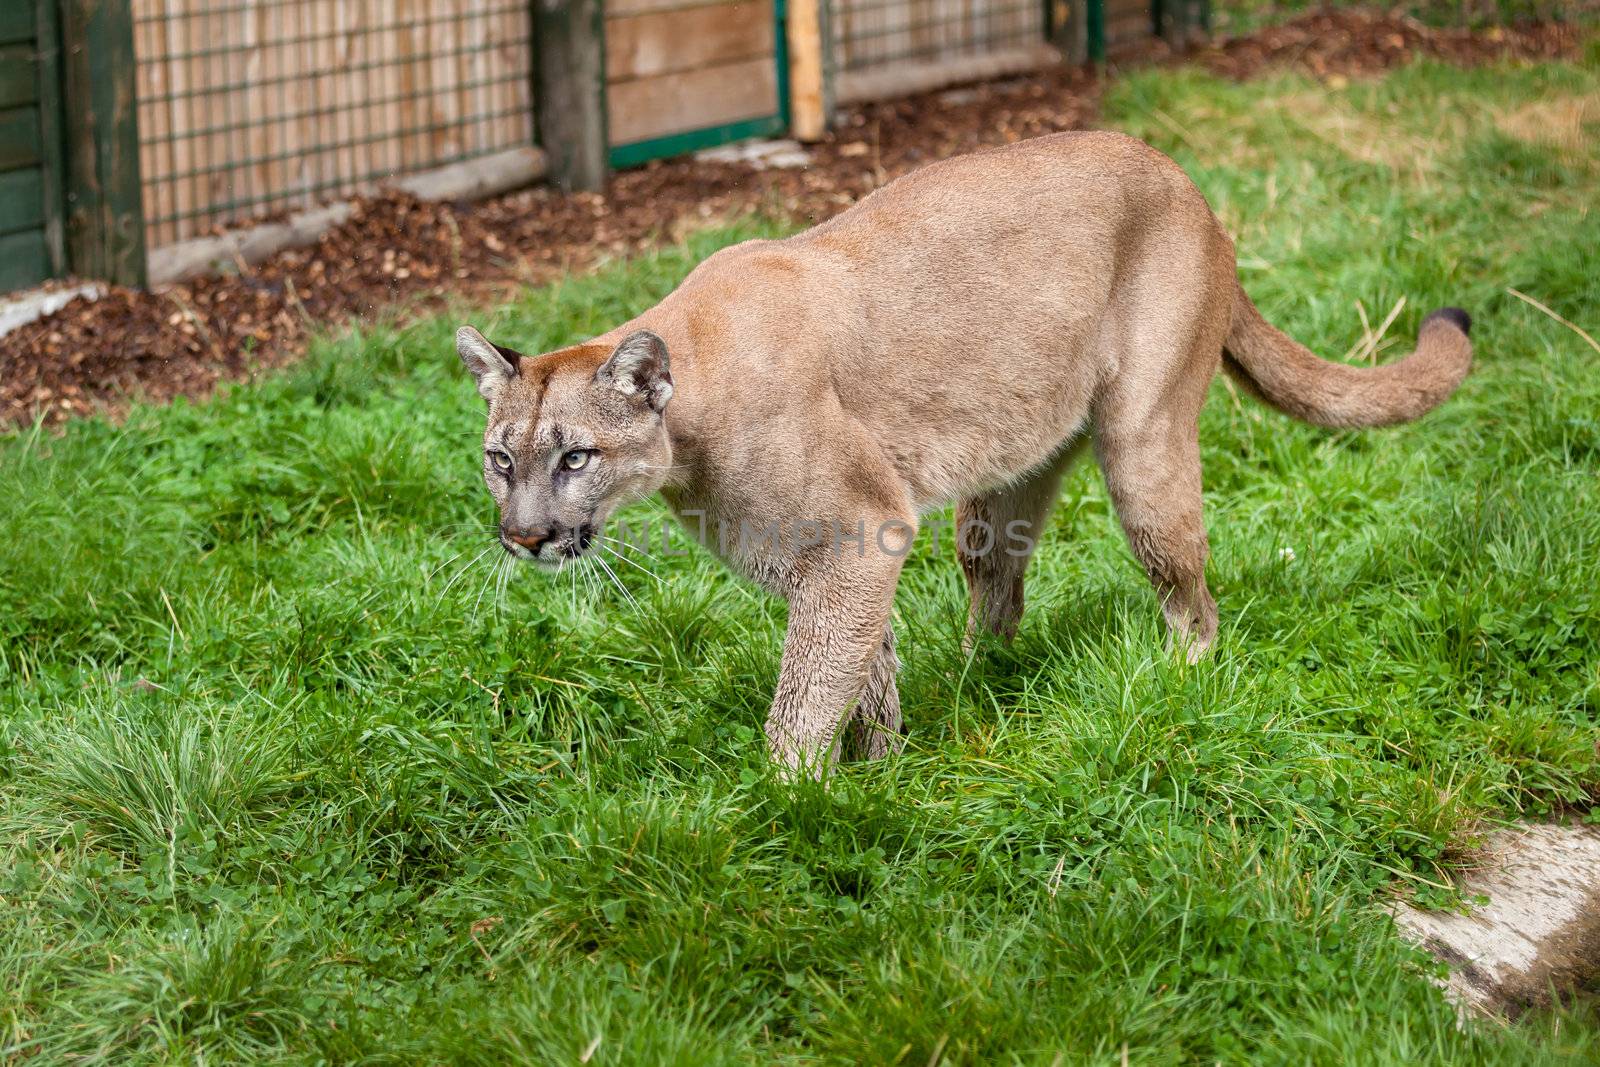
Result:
<point x="572" y="436"/>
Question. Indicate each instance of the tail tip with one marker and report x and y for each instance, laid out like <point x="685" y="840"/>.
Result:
<point x="1454" y="316"/>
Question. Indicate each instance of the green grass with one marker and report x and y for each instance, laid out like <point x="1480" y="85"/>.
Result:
<point x="276" y="784"/>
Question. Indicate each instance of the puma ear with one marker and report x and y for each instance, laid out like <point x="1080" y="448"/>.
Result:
<point x="490" y="364"/>
<point x="639" y="368"/>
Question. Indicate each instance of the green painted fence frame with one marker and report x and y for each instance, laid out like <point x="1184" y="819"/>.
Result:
<point x="1096" y="16"/>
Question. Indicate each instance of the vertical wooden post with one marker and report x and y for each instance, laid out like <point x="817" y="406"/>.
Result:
<point x="808" y="82"/>
<point x="570" y="91"/>
<point x="105" y="217"/>
<point x="1095" y="29"/>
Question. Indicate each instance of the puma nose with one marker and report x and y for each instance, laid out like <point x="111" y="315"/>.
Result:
<point x="530" y="539"/>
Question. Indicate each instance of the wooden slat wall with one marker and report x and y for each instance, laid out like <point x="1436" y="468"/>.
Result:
<point x="24" y="249"/>
<point x="871" y="34"/>
<point x="673" y="67"/>
<point x="250" y="108"/>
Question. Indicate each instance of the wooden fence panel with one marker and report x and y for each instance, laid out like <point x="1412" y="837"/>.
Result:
<point x="32" y="231"/>
<point x="672" y="69"/>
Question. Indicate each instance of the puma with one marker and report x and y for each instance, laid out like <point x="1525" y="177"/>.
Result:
<point x="958" y="335"/>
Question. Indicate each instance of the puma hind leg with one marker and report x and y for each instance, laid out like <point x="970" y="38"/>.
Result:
<point x="1151" y="463"/>
<point x="996" y="534"/>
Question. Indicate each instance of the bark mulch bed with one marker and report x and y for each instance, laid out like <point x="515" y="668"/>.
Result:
<point x="399" y="253"/>
<point x="1358" y="43"/>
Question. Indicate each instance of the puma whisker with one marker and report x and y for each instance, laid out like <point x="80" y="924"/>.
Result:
<point x="962" y="334"/>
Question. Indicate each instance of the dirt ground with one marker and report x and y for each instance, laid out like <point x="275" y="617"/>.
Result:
<point x="400" y="253"/>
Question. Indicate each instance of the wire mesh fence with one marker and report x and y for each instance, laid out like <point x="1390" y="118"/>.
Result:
<point x="248" y="108"/>
<point x="872" y="34"/>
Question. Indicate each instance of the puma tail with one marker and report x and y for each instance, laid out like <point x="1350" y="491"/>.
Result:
<point x="1288" y="376"/>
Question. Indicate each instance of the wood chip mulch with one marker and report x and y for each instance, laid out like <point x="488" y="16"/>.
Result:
<point x="1355" y="43"/>
<point x="398" y="254"/>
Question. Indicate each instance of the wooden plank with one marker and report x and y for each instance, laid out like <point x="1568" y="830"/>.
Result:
<point x="571" y="96"/>
<point x="714" y="96"/>
<point x="511" y="100"/>
<point x="19" y="138"/>
<point x="24" y="260"/>
<point x="179" y="194"/>
<point x="154" y="145"/>
<point x="624" y="8"/>
<point x="21" y="199"/>
<point x="646" y="46"/>
<point x="1132" y="26"/>
<point x="1141" y="14"/>
<point x="17" y="21"/>
<point x="300" y="165"/>
<point x="1121" y="10"/>
<point x="212" y="69"/>
<point x="18" y="81"/>
<point x="105" y="219"/>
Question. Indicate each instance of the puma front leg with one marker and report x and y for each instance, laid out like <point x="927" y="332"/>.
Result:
<point x="838" y="618"/>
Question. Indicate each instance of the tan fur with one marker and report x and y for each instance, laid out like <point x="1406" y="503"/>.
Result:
<point x="956" y="336"/>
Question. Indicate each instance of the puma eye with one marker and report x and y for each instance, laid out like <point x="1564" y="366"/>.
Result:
<point x="501" y="461"/>
<point x="575" y="460"/>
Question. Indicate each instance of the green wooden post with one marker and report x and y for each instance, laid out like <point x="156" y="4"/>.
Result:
<point x="105" y="216"/>
<point x="570" y="91"/>
<point x="1096" y="30"/>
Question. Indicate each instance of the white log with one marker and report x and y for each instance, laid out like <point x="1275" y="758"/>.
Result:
<point x="20" y="308"/>
<point x="476" y="179"/>
<point x="1540" y="928"/>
